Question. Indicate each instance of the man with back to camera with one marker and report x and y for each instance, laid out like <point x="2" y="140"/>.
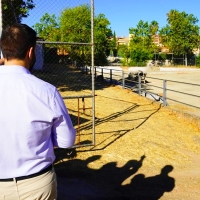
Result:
<point x="33" y="120"/>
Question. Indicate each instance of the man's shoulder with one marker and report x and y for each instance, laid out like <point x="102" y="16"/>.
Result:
<point x="39" y="83"/>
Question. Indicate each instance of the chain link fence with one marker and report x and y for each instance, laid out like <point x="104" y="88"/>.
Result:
<point x="64" y="47"/>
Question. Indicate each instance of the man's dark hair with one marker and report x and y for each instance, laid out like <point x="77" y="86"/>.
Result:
<point x="16" y="41"/>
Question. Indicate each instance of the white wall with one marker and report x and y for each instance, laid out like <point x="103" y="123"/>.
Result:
<point x="39" y="57"/>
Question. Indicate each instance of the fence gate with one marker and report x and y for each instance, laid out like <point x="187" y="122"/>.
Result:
<point x="64" y="47"/>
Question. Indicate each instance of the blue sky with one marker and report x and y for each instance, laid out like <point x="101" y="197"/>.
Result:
<point x="121" y="14"/>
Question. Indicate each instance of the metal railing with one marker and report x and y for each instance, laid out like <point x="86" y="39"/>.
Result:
<point x="175" y="91"/>
<point x="160" y="89"/>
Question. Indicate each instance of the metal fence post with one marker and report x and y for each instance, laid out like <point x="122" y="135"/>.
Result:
<point x="102" y="72"/>
<point x="139" y="84"/>
<point x="164" y="92"/>
<point x="93" y="78"/>
<point x="123" y="80"/>
<point x="86" y="70"/>
<point x="110" y="75"/>
<point x="95" y="72"/>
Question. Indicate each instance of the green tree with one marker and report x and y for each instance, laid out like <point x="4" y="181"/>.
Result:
<point x="140" y="34"/>
<point x="181" y="34"/>
<point x="14" y="11"/>
<point x="124" y="52"/>
<point x="141" y="45"/>
<point x="74" y="25"/>
<point x="198" y="61"/>
<point x="113" y="45"/>
<point x="102" y="36"/>
<point x="154" y="27"/>
<point x="48" y="28"/>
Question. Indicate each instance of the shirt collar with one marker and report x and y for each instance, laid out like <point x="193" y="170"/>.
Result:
<point x="14" y="69"/>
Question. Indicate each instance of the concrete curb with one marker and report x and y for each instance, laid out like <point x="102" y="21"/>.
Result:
<point x="170" y="69"/>
<point x="189" y="117"/>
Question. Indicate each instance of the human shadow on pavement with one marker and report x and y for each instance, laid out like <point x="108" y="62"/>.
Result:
<point x="76" y="180"/>
<point x="151" y="188"/>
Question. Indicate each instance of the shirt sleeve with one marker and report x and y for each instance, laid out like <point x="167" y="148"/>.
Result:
<point x="64" y="134"/>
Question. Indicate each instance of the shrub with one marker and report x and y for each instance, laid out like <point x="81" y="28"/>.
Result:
<point x="198" y="61"/>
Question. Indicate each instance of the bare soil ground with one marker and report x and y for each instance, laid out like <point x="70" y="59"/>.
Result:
<point x="143" y="151"/>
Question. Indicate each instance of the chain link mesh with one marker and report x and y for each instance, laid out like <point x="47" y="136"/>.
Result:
<point x="64" y="48"/>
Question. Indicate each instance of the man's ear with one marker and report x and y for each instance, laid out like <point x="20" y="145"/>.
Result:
<point x="30" y="52"/>
<point x="1" y="61"/>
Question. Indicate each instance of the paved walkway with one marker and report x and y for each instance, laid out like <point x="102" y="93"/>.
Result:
<point x="180" y="80"/>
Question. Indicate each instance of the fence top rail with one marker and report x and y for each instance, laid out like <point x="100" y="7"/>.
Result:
<point x="78" y="96"/>
<point x="154" y="86"/>
<point x="183" y="93"/>
<point x="174" y="81"/>
<point x="111" y="68"/>
<point x="183" y="103"/>
<point x="67" y="43"/>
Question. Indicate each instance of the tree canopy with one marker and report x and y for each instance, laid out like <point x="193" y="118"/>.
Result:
<point x="113" y="46"/>
<point x="141" y="44"/>
<point x="14" y="11"/>
<point x="181" y="34"/>
<point x="74" y="25"/>
<point x="48" y="28"/>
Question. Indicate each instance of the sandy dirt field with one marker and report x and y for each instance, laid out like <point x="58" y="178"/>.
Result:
<point x="143" y="151"/>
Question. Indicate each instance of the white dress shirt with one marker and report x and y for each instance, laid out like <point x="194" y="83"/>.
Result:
<point x="33" y="120"/>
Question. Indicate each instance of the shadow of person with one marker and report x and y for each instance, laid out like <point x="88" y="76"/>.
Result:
<point x="116" y="175"/>
<point x="62" y="154"/>
<point x="151" y="188"/>
<point x="76" y="180"/>
<point x="76" y="168"/>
